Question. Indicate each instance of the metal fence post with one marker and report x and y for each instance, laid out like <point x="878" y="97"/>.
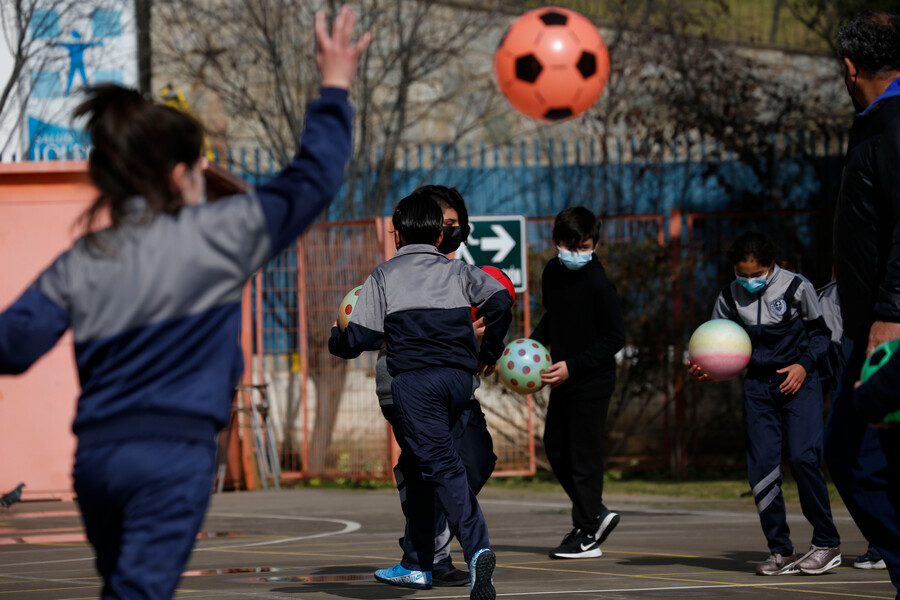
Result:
<point x="679" y="460"/>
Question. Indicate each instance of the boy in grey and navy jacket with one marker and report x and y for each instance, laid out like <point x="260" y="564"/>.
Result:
<point x="418" y="305"/>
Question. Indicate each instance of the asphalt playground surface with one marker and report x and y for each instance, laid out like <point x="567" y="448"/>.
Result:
<point x="316" y="544"/>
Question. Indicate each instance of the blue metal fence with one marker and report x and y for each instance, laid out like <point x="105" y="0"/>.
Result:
<point x="792" y="171"/>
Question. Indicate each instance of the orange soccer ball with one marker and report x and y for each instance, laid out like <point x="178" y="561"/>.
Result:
<point x="552" y="64"/>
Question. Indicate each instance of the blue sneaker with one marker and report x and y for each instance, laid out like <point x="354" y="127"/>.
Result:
<point x="870" y="560"/>
<point x="403" y="577"/>
<point x="481" y="567"/>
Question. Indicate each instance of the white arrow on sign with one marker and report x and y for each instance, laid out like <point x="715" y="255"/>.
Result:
<point x="503" y="243"/>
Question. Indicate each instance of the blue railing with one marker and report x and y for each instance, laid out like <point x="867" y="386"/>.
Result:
<point x="626" y="177"/>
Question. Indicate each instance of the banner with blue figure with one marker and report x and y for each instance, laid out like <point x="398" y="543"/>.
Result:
<point x="76" y="59"/>
<point x="78" y="44"/>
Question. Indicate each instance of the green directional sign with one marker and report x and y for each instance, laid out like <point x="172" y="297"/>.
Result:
<point x="498" y="241"/>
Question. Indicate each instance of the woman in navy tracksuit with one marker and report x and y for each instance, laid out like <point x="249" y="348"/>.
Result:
<point x="782" y="399"/>
<point x="154" y="305"/>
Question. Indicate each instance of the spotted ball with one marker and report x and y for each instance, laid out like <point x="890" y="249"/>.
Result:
<point x="347" y="306"/>
<point x="521" y="364"/>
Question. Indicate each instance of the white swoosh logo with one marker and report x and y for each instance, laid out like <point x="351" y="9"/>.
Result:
<point x="585" y="547"/>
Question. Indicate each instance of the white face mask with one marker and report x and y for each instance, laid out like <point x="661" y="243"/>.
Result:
<point x="574" y="260"/>
<point x="753" y="284"/>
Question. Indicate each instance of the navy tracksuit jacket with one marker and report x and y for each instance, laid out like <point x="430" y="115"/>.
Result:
<point x="418" y="305"/>
<point x="155" y="310"/>
<point x="785" y="325"/>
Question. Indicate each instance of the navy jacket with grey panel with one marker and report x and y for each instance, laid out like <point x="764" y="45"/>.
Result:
<point x="154" y="305"/>
<point x="784" y="321"/>
<point x="418" y="305"/>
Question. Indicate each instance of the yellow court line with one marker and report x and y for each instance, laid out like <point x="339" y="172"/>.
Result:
<point x="723" y="583"/>
<point x="46" y="590"/>
<point x="653" y="577"/>
<point x="15" y="579"/>
<point x="605" y="552"/>
<point x="848" y="594"/>
<point x="95" y="597"/>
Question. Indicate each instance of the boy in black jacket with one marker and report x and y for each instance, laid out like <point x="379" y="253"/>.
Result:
<point x="583" y="328"/>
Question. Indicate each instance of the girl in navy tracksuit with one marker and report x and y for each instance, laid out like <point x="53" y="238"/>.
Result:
<point x="782" y="399"/>
<point x="154" y="305"/>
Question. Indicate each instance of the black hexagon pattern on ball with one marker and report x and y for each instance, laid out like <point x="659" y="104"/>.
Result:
<point x="587" y="64"/>
<point x="555" y="114"/>
<point x="554" y="18"/>
<point x="528" y="68"/>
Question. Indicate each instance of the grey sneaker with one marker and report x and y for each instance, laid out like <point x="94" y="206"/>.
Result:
<point x="819" y="560"/>
<point x="777" y="564"/>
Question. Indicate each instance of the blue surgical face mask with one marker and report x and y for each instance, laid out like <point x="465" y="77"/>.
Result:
<point x="574" y="260"/>
<point x="753" y="284"/>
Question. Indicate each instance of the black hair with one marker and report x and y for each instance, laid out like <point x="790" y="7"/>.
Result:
<point x="752" y="244"/>
<point x="574" y="224"/>
<point x="871" y="40"/>
<point x="136" y="144"/>
<point x="448" y="197"/>
<point x="418" y="219"/>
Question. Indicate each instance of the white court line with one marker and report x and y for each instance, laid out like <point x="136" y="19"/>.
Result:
<point x="349" y="526"/>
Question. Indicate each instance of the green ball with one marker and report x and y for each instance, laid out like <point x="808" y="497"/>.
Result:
<point x="875" y="361"/>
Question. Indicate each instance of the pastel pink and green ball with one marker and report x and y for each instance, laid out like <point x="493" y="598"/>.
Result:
<point x="721" y="347"/>
<point x="521" y="364"/>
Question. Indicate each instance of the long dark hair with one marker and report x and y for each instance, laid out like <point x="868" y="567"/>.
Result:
<point x="137" y="143"/>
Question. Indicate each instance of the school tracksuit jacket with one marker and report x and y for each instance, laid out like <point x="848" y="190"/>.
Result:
<point x="786" y="326"/>
<point x="154" y="306"/>
<point x="419" y="303"/>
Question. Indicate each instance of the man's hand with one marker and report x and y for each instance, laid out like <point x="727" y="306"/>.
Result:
<point x="796" y="374"/>
<point x="336" y="55"/>
<point x="881" y="332"/>
<point x="556" y="374"/>
<point x="696" y="372"/>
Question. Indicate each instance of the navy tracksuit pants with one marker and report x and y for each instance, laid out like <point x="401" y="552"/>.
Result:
<point x="143" y="502"/>
<point x="770" y="418"/>
<point x="864" y="463"/>
<point x="473" y="441"/>
<point x="427" y="404"/>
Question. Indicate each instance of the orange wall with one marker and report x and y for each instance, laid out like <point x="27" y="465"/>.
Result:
<point x="39" y="203"/>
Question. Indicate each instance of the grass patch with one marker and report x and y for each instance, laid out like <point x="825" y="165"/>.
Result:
<point x="711" y="485"/>
<point x="702" y="486"/>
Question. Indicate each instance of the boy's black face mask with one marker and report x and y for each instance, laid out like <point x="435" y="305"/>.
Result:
<point x="453" y="237"/>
